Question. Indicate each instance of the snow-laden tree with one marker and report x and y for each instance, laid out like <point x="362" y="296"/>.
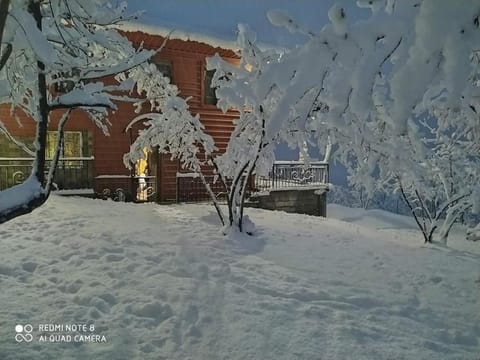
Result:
<point x="48" y="42"/>
<point x="247" y="89"/>
<point x="169" y="127"/>
<point x="253" y="89"/>
<point x="251" y="146"/>
<point x="372" y="84"/>
<point x="401" y="97"/>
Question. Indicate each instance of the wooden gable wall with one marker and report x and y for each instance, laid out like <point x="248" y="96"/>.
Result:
<point x="188" y="69"/>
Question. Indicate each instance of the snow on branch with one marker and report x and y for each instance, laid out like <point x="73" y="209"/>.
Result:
<point x="45" y="44"/>
<point x="398" y="93"/>
<point x="88" y="95"/>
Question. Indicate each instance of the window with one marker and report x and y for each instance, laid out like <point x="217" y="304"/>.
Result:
<point x="67" y="81"/>
<point x="165" y="67"/>
<point x="72" y="144"/>
<point x="209" y="98"/>
<point x="64" y="86"/>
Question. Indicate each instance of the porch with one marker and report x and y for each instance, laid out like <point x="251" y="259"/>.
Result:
<point x="288" y="175"/>
<point x="291" y="186"/>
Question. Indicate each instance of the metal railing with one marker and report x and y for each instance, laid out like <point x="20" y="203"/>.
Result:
<point x="71" y="173"/>
<point x="284" y="175"/>
<point x="190" y="188"/>
<point x="126" y="188"/>
<point x="293" y="174"/>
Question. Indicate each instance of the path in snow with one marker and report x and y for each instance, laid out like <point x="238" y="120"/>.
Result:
<point x="160" y="282"/>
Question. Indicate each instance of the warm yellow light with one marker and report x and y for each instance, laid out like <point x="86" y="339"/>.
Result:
<point x="142" y="164"/>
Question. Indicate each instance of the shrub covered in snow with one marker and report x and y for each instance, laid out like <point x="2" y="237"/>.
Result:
<point x="399" y="92"/>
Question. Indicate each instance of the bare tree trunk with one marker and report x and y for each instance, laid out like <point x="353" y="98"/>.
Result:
<point x="233" y="194"/>
<point x="426" y="236"/>
<point x="38" y="169"/>
<point x="58" y="151"/>
<point x="42" y="107"/>
<point x="4" y="54"/>
<point x="213" y="197"/>
<point x="225" y="186"/>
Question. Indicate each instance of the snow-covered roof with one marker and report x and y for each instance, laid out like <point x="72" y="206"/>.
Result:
<point x="215" y="21"/>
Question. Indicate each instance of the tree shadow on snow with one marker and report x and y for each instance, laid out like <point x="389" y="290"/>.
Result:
<point x="211" y="219"/>
<point x="382" y="220"/>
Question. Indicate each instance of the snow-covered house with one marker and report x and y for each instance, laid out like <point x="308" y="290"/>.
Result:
<point x="94" y="162"/>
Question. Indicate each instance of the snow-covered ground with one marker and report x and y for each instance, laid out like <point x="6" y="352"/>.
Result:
<point x="160" y="282"/>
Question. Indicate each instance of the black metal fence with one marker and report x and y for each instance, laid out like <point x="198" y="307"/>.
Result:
<point x="126" y="188"/>
<point x="190" y="188"/>
<point x="284" y="174"/>
<point x="71" y="173"/>
<point x="293" y="174"/>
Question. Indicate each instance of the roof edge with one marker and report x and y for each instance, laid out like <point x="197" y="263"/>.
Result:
<point x="156" y="30"/>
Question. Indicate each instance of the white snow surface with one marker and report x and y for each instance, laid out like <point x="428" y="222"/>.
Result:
<point x="161" y="282"/>
<point x="20" y="194"/>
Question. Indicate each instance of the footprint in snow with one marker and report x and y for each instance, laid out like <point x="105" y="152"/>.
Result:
<point x="6" y="270"/>
<point x="29" y="266"/>
<point x="114" y="257"/>
<point x="115" y="250"/>
<point x="71" y="288"/>
<point x="153" y="310"/>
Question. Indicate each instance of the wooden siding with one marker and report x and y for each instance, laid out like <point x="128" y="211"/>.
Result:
<point x="188" y="66"/>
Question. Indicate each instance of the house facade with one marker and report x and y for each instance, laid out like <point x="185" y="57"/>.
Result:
<point x="93" y="163"/>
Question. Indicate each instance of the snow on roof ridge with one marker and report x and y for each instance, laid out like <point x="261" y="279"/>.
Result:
<point x="177" y="34"/>
<point x="172" y="33"/>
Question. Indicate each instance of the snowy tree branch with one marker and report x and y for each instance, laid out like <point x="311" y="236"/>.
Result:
<point x="5" y="55"/>
<point x="14" y="140"/>
<point x="4" y="5"/>
<point x="58" y="149"/>
<point x="60" y="106"/>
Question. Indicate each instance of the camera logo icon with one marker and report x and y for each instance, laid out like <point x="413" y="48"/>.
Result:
<point x="23" y="333"/>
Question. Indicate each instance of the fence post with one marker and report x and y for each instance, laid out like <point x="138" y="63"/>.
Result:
<point x="274" y="171"/>
<point x="176" y="189"/>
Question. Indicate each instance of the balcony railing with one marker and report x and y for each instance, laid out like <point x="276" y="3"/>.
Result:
<point x="71" y="173"/>
<point x="284" y="175"/>
<point x="293" y="174"/>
